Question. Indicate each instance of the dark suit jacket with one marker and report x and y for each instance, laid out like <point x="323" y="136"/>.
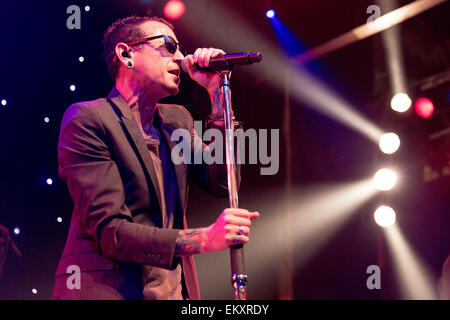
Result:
<point x="115" y="227"/>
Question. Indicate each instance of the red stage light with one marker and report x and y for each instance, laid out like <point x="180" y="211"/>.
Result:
<point x="424" y="107"/>
<point x="174" y="9"/>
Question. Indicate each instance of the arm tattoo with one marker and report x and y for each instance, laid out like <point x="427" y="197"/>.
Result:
<point x="189" y="242"/>
<point x="217" y="107"/>
<point x="216" y="104"/>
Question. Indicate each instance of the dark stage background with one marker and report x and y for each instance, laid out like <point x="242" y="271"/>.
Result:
<point x="39" y="61"/>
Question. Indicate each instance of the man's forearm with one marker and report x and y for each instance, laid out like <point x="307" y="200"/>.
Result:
<point x="216" y="115"/>
<point x="231" y="227"/>
<point x="189" y="242"/>
<point x="216" y="99"/>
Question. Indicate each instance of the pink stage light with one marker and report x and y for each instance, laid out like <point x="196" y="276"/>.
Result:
<point x="174" y="9"/>
<point x="424" y="107"/>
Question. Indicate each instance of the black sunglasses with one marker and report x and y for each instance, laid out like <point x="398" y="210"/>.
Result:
<point x="169" y="42"/>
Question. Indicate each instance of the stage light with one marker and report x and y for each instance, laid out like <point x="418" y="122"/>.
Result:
<point x="401" y="102"/>
<point x="46" y="120"/>
<point x="4" y="102"/>
<point x="391" y="38"/>
<point x="87" y="8"/>
<point x="417" y="281"/>
<point x="72" y="87"/>
<point x="384" y="179"/>
<point x="206" y="17"/>
<point x="59" y="219"/>
<point x="49" y="181"/>
<point x="389" y="142"/>
<point x="288" y="40"/>
<point x="424" y="107"/>
<point x="384" y="216"/>
<point x="16" y="230"/>
<point x="270" y="14"/>
<point x="34" y="291"/>
<point x="318" y="213"/>
<point x="174" y="9"/>
<point x="81" y="59"/>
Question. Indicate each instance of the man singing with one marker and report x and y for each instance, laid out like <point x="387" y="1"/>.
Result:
<point x="128" y="235"/>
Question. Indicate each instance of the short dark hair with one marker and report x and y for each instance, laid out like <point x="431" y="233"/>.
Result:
<point x="124" y="30"/>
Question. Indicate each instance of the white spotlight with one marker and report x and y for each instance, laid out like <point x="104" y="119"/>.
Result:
<point x="384" y="216"/>
<point x="49" y="181"/>
<point x="72" y="87"/>
<point x="4" y="102"/>
<point x="389" y="142"/>
<point x="87" y="8"/>
<point x="270" y="13"/>
<point x="34" y="291"/>
<point x="59" y="219"/>
<point x="46" y="119"/>
<point x="81" y="59"/>
<point x="16" y="230"/>
<point x="384" y="179"/>
<point x="401" y="102"/>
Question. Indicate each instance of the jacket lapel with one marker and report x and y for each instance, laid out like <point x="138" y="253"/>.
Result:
<point x="137" y="140"/>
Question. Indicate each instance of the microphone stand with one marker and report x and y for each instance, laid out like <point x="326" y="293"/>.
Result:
<point x="238" y="275"/>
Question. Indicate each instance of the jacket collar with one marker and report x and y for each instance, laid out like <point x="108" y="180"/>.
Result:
<point x="120" y="102"/>
<point x="125" y="109"/>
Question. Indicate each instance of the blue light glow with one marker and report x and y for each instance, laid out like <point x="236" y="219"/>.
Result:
<point x="290" y="43"/>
